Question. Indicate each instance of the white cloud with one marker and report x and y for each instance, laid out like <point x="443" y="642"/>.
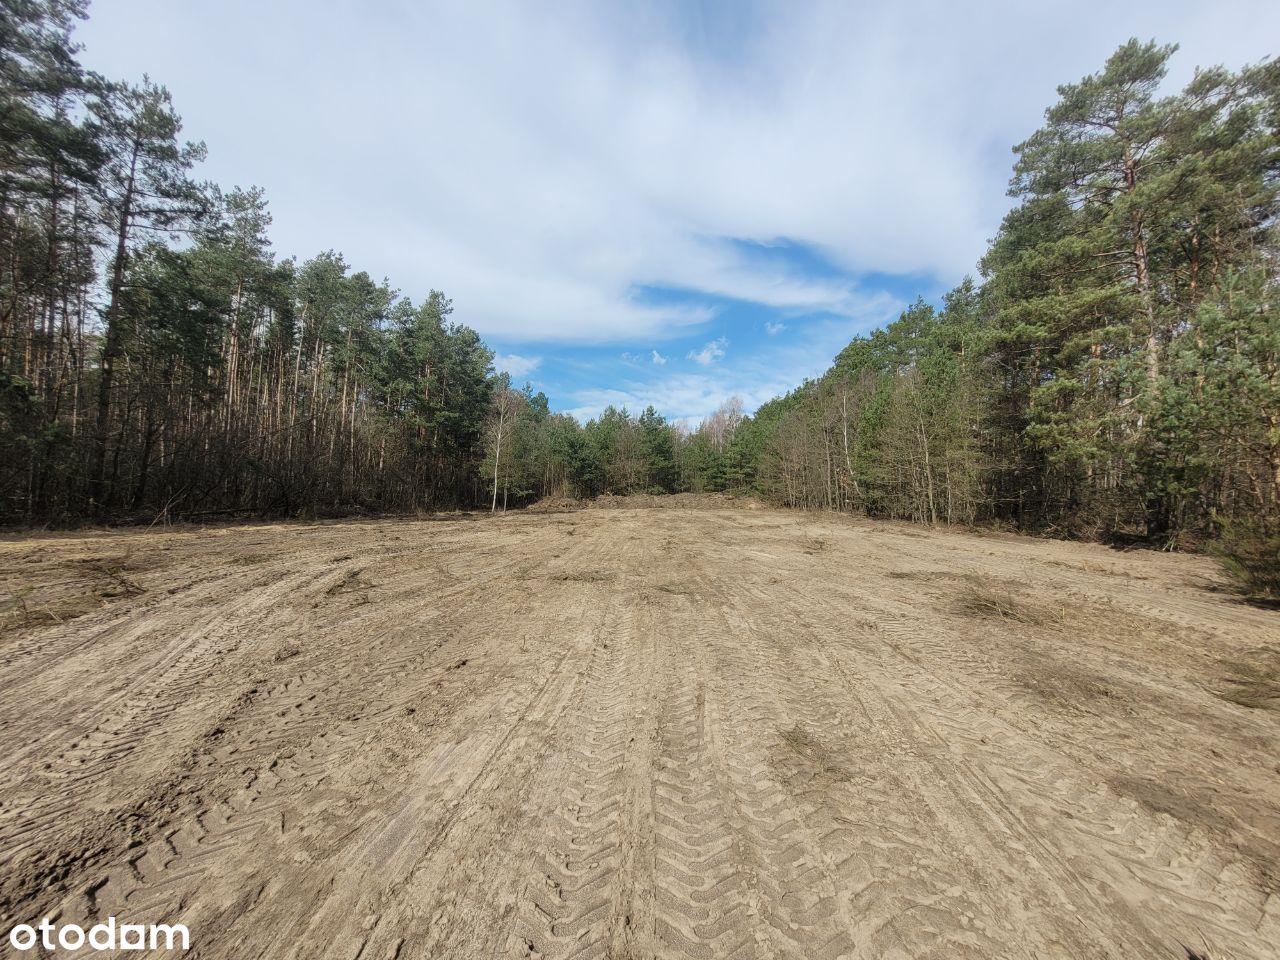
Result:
<point x="710" y="353"/>
<point x="519" y="367"/>
<point x="659" y="359"/>
<point x="772" y="370"/>
<point x="688" y="397"/>
<point x="773" y="328"/>
<point x="541" y="169"/>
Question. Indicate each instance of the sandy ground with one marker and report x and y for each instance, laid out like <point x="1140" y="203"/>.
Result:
<point x="638" y="733"/>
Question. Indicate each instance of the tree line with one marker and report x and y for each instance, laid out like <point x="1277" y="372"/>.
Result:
<point x="202" y="375"/>
<point x="533" y="453"/>
<point x="1116" y="373"/>
<point x="158" y="361"/>
<point x="1116" y="370"/>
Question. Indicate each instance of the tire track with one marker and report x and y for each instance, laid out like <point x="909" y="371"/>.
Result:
<point x="635" y="733"/>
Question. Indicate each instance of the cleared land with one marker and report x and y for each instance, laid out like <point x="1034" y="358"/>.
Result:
<point x="635" y="733"/>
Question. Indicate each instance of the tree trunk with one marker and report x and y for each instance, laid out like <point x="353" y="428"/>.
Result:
<point x="497" y="458"/>
<point x="114" y="346"/>
<point x="1142" y="274"/>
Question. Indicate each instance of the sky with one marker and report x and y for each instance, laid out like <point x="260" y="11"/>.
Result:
<point x="669" y="202"/>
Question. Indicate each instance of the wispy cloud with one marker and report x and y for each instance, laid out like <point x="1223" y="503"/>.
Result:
<point x="687" y="397"/>
<point x="756" y="374"/>
<point x="519" y="367"/>
<point x="659" y="359"/>
<point x="709" y="354"/>
<point x="774" y="327"/>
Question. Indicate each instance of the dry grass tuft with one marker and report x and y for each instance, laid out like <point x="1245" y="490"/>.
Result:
<point x="586" y="576"/>
<point x="1065" y="686"/>
<point x="675" y="589"/>
<point x="95" y="581"/>
<point x="996" y="603"/>
<point x="1253" y="682"/>
<point x="112" y="573"/>
<point x="1251" y="558"/>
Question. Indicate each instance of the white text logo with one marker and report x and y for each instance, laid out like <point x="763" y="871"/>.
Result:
<point x="101" y="936"/>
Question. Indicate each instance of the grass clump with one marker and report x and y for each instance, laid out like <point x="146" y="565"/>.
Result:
<point x="1251" y="558"/>
<point x="993" y="603"/>
<point x="1253" y="682"/>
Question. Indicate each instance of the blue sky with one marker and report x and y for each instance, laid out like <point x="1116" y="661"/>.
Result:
<point x="668" y="202"/>
<point x="743" y="347"/>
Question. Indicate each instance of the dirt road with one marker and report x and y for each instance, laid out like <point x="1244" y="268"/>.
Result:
<point x="638" y="733"/>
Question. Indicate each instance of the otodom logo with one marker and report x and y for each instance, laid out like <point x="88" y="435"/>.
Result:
<point x="108" y="935"/>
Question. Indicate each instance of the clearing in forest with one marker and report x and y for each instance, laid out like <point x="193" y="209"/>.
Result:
<point x="638" y="733"/>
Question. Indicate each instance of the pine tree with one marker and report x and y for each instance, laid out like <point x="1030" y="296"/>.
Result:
<point x="1132" y="205"/>
<point x="146" y="190"/>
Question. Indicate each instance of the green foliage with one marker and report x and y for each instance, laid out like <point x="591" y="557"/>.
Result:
<point x="1116" y="372"/>
<point x="1251" y="556"/>
<point x="893" y="429"/>
<point x="1136" y="212"/>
